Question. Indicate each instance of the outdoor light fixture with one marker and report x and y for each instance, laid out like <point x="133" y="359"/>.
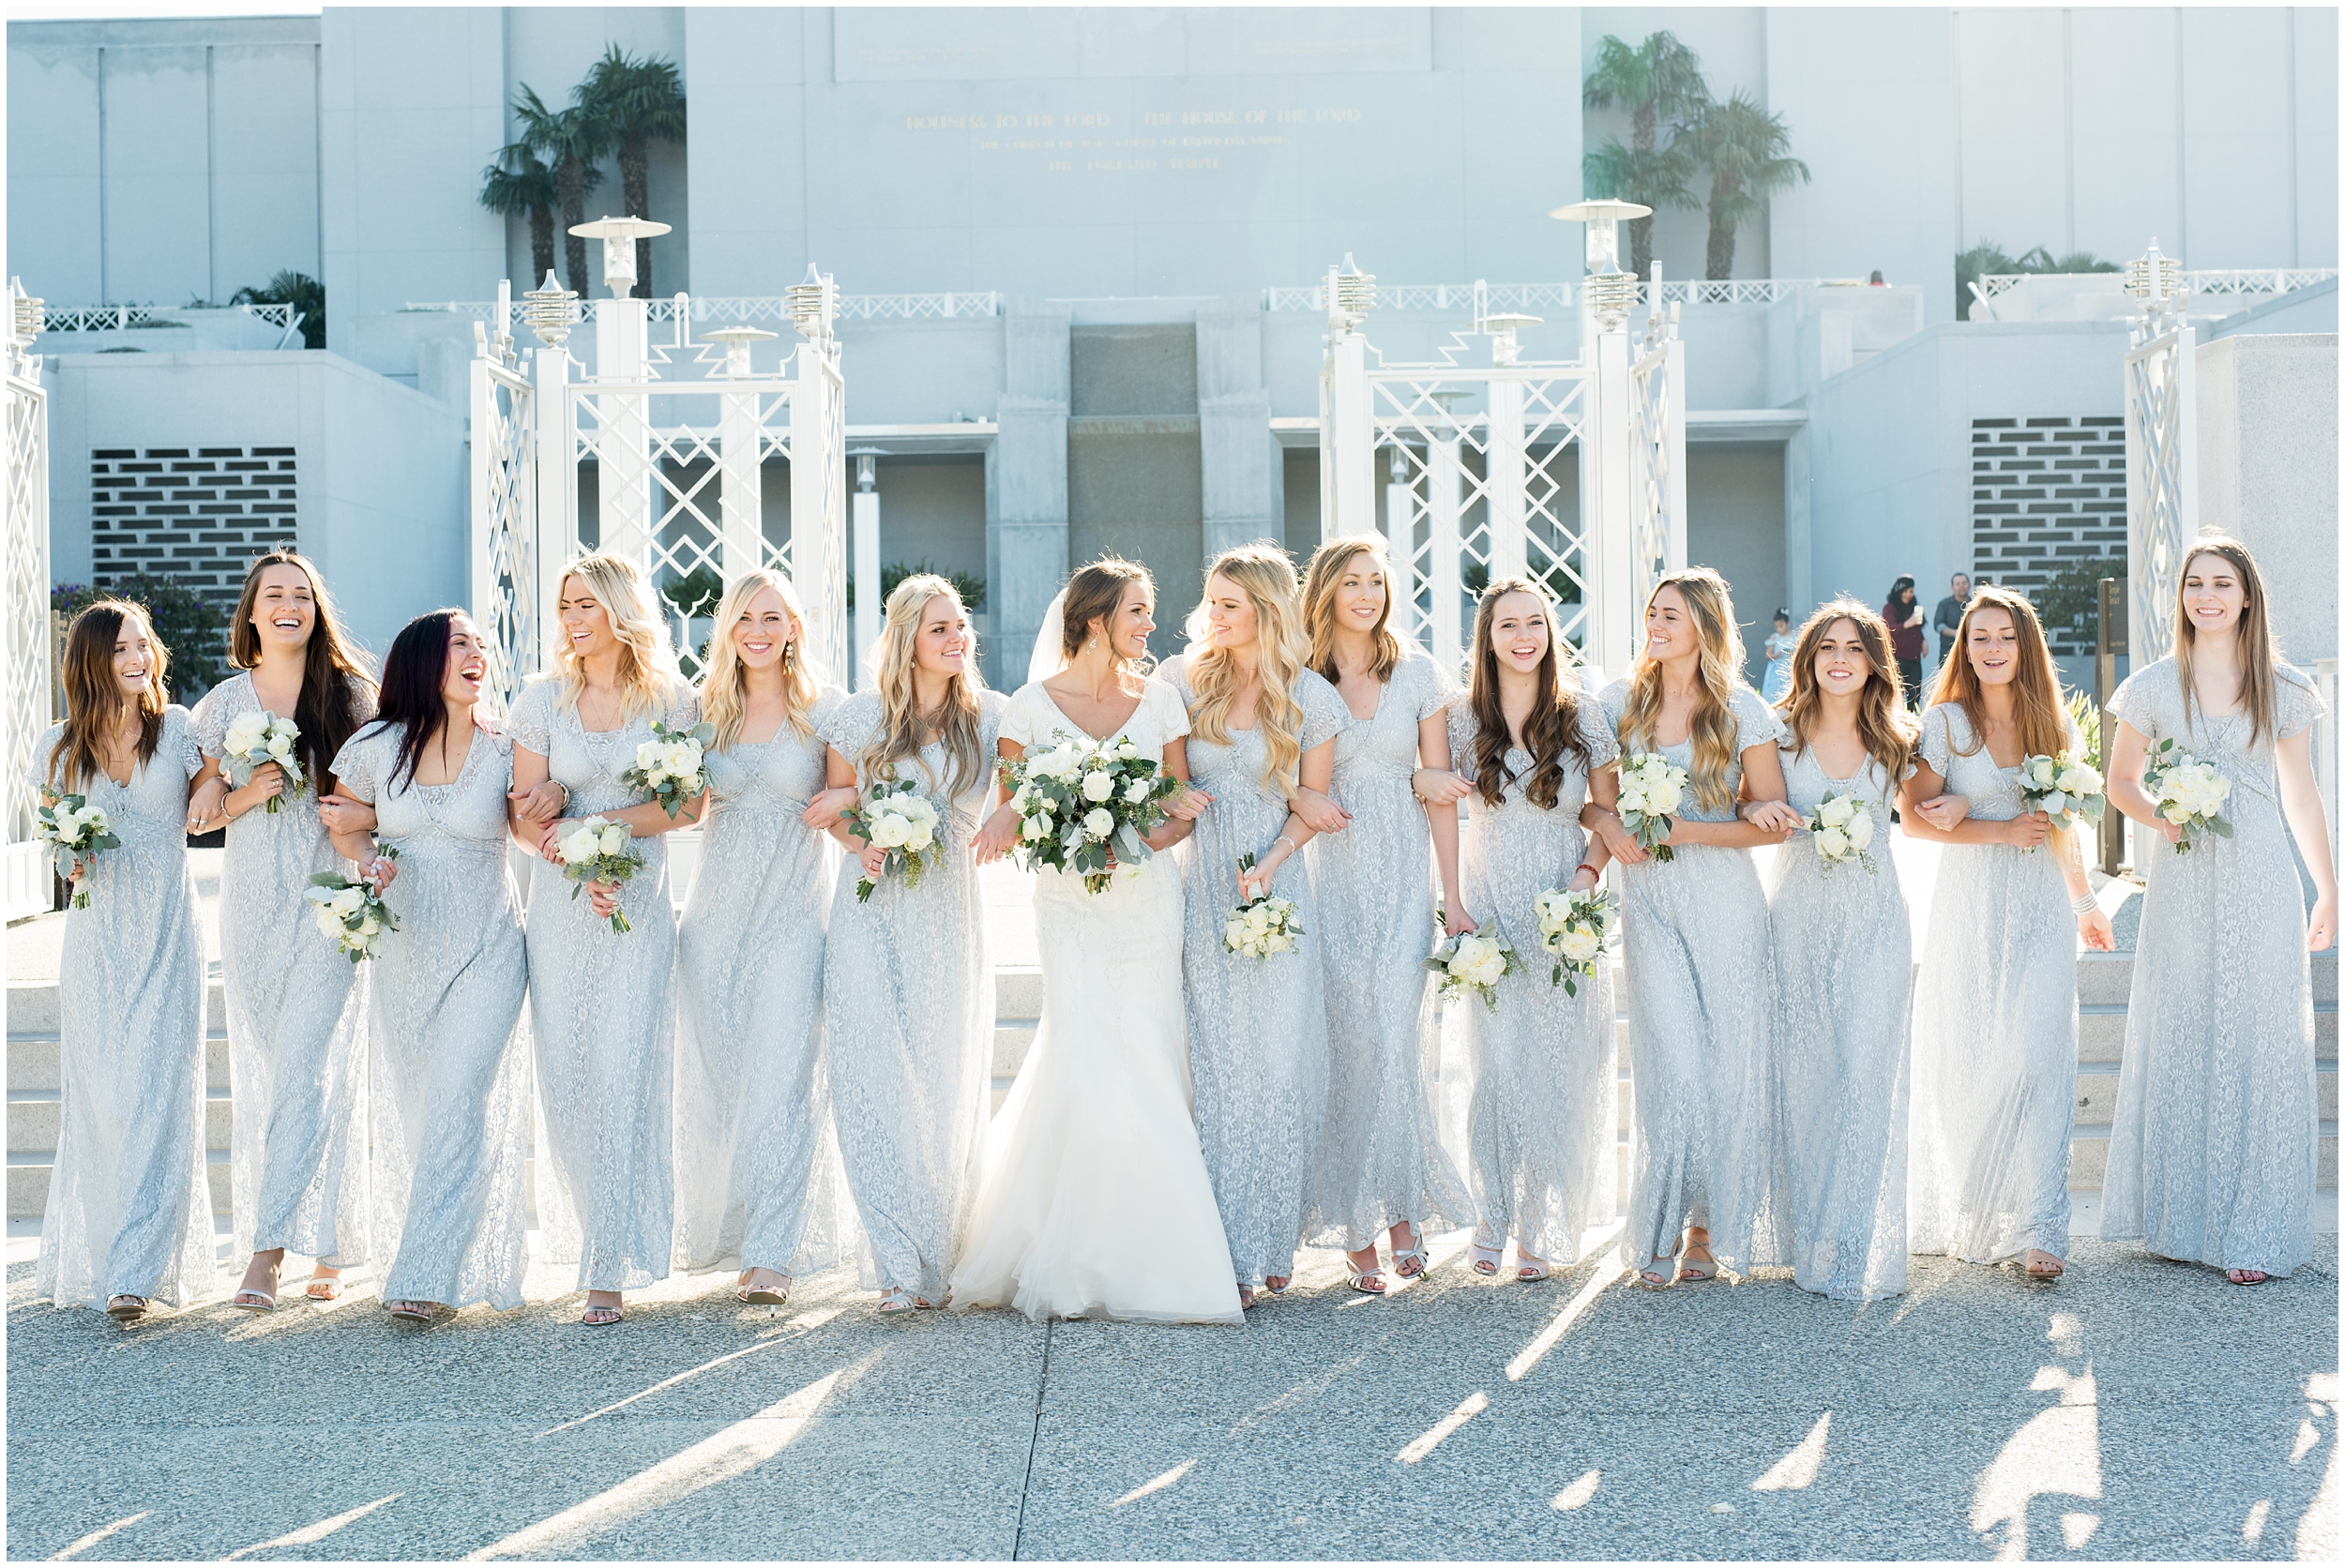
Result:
<point x="1502" y="328"/>
<point x="551" y="311"/>
<point x="618" y="236"/>
<point x="1609" y="293"/>
<point x="2152" y="279"/>
<point x="737" y="341"/>
<point x="1350" y="290"/>
<point x="813" y="303"/>
<point x="867" y="467"/>
<point x="26" y="318"/>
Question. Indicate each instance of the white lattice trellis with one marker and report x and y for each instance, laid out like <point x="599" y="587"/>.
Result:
<point x="2162" y="451"/>
<point x="1656" y="459"/>
<point x="27" y="675"/>
<point x="505" y="567"/>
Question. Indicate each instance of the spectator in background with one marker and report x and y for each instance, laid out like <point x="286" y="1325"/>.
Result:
<point x="1877" y="281"/>
<point x="1780" y="645"/>
<point x="1948" y="619"/>
<point x="1904" y="616"/>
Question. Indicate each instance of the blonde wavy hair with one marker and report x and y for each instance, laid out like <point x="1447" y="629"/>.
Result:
<point x="1712" y="729"/>
<point x="648" y="676"/>
<point x="1263" y="574"/>
<point x="1321" y="580"/>
<point x="723" y="685"/>
<point x="903" y="730"/>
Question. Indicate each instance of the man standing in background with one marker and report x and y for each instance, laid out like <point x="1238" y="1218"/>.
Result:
<point x="1948" y="620"/>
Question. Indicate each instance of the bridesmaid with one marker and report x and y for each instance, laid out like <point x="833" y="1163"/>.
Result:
<point x="1843" y="963"/>
<point x="2216" y="1150"/>
<point x="1263" y="728"/>
<point x="599" y="1000"/>
<point x="130" y="1216"/>
<point x="1380" y="1163"/>
<point x="452" y="1114"/>
<point x="1995" y="997"/>
<point x="757" y="1174"/>
<point x="296" y="1007"/>
<point x="1542" y="1110"/>
<point x="907" y="989"/>
<point x="1695" y="933"/>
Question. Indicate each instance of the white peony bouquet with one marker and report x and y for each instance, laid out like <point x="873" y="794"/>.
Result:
<point x="75" y="832"/>
<point x="1651" y="790"/>
<point x="2066" y="787"/>
<point x="1262" y="926"/>
<point x="899" y="819"/>
<point x="667" y="766"/>
<point x="1472" y="964"/>
<point x="1842" y="827"/>
<point x="1575" y="929"/>
<point x="353" y="914"/>
<point x="2189" y="792"/>
<point x="600" y="850"/>
<point x="255" y="738"/>
<point x="1087" y="805"/>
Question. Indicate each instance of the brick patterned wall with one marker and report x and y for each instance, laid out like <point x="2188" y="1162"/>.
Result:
<point x="197" y="514"/>
<point x="2045" y="492"/>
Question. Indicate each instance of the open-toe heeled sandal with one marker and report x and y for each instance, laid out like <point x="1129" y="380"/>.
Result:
<point x="1483" y="1259"/>
<point x="600" y="1316"/>
<point x="893" y="1300"/>
<point x="126" y="1309"/>
<point x="765" y="1295"/>
<point x="2247" y="1277"/>
<point x="1661" y="1273"/>
<point x="2052" y="1268"/>
<point x="324" y="1288"/>
<point x="1402" y="1257"/>
<point x="1369" y="1281"/>
<point x="419" y="1313"/>
<point x="1530" y="1270"/>
<point x="1691" y="1272"/>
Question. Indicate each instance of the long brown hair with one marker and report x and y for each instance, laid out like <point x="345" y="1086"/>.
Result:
<point x="1890" y="731"/>
<point x="1712" y="729"/>
<point x="1550" y="732"/>
<point x="333" y="680"/>
<point x="723" y="682"/>
<point x="93" y="698"/>
<point x="1095" y="593"/>
<point x="1321" y="580"/>
<point x="1263" y="574"/>
<point x="2036" y="713"/>
<point x="2258" y="650"/>
<point x="903" y="730"/>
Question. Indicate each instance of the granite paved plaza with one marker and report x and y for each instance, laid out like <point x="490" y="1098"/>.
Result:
<point x="2136" y="1409"/>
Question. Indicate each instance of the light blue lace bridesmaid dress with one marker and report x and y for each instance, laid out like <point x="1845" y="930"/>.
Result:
<point x="602" y="1006"/>
<point x="2217" y="1144"/>
<point x="129" y="1212"/>
<point x="1700" y="1027"/>
<point x="1256" y="1027"/>
<point x="451" y="1107"/>
<point x="1994" y="1029"/>
<point x="1843" y="976"/>
<point x="1543" y="1100"/>
<point x="908" y="1010"/>
<point x="758" y="1180"/>
<point x="296" y="1024"/>
<point x="1380" y="1158"/>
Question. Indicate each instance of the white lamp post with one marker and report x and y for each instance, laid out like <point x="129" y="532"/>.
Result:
<point x="1606" y="295"/>
<point x="1347" y="472"/>
<point x="868" y="608"/>
<point x="622" y="354"/>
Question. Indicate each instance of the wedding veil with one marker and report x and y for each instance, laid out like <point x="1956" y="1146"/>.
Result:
<point x="1050" y="641"/>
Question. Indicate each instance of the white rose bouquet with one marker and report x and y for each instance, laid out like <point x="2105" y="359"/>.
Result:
<point x="2066" y="787"/>
<point x="1651" y="790"/>
<point x="353" y="914"/>
<point x="1842" y="827"/>
<point x="2189" y="792"/>
<point x="257" y="737"/>
<point x="1575" y="929"/>
<point x="75" y="832"/>
<point x="1087" y="805"/>
<point x="899" y="819"/>
<point x="1262" y="927"/>
<point x="667" y="766"/>
<point x="1472" y="964"/>
<point x="600" y="850"/>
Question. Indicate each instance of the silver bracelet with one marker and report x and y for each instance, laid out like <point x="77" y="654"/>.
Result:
<point x="1293" y="847"/>
<point x="2084" y="903"/>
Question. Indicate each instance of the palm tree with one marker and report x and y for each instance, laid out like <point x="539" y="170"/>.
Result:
<point x="1746" y="152"/>
<point x="641" y="101"/>
<point x="1659" y="83"/>
<point x="572" y="141"/>
<point x="518" y="185"/>
<point x="304" y="293"/>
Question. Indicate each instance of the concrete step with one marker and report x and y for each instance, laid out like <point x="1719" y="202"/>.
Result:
<point x="32" y="1007"/>
<point x="33" y="1063"/>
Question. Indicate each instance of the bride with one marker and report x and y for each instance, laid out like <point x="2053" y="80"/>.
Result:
<point x="1094" y="1198"/>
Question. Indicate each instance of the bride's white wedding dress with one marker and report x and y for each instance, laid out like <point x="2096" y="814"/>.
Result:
<point x="1094" y="1200"/>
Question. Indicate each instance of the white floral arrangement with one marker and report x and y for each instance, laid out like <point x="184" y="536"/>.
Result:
<point x="600" y="850"/>
<point x="1472" y="964"/>
<point x="897" y="816"/>
<point x="76" y="833"/>
<point x="2189" y="792"/>
<point x="1652" y="788"/>
<point x="1087" y="805"/>
<point x="1843" y="828"/>
<point x="1262" y="926"/>
<point x="255" y="738"/>
<point x="353" y="914"/>
<point x="668" y="766"/>
<point x="1575" y="929"/>
<point x="2066" y="787"/>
